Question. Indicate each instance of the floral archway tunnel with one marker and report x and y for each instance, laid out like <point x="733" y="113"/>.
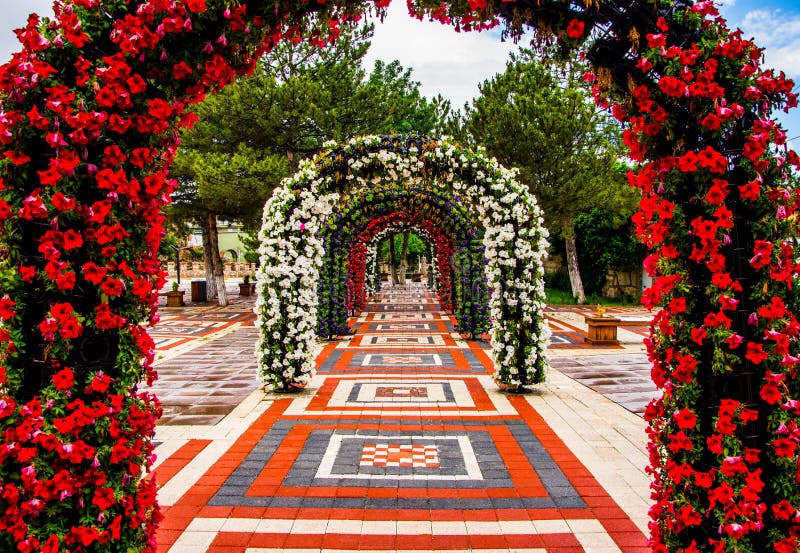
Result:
<point x="362" y="269"/>
<point x="353" y="182"/>
<point x="90" y="110"/>
<point x="378" y="205"/>
<point x="396" y="204"/>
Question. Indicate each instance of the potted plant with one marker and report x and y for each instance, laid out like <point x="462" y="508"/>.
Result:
<point x="247" y="288"/>
<point x="175" y="297"/>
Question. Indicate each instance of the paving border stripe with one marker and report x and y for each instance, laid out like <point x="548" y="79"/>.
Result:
<point x="622" y="530"/>
<point x="173" y="464"/>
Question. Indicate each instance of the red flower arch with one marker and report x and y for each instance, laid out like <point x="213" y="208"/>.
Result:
<point x="444" y="246"/>
<point x="88" y="125"/>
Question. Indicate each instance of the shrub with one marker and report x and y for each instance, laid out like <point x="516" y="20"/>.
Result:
<point x="604" y="244"/>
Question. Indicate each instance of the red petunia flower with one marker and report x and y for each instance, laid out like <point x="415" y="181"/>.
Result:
<point x="755" y="353"/>
<point x="784" y="447"/>
<point x="113" y="287"/>
<point x="679" y="441"/>
<point x="575" y="29"/>
<point x="687" y="516"/>
<point x="677" y="305"/>
<point x="48" y="328"/>
<point x="100" y="383"/>
<point x="714" y="443"/>
<point x="718" y="192"/>
<point x="17" y="158"/>
<point x="685" y="419"/>
<point x="783" y="510"/>
<point x="6" y="308"/>
<point x="64" y="379"/>
<point x="105" y="319"/>
<point x="62" y="202"/>
<point x="71" y="239"/>
<point x="762" y="254"/>
<point x="734" y="340"/>
<point x="672" y="86"/>
<point x="698" y="335"/>
<point x="771" y="394"/>
<point x="656" y="40"/>
<point x="712" y="160"/>
<point x="722" y="494"/>
<point x="85" y="535"/>
<point x="93" y="273"/>
<point x="5" y="210"/>
<point x="786" y="545"/>
<point x="103" y="498"/>
<point x="775" y="310"/>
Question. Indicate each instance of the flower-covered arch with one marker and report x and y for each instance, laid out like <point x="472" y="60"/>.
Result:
<point x="300" y="210"/>
<point x="361" y="270"/>
<point x="426" y="208"/>
<point x="90" y="110"/>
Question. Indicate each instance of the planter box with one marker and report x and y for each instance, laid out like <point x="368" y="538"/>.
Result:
<point x="602" y="331"/>
<point x="247" y="288"/>
<point x="175" y="299"/>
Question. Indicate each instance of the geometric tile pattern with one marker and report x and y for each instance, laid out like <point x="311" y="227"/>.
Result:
<point x="403" y="392"/>
<point x="407" y="340"/>
<point x="401" y="442"/>
<point x="400" y="455"/>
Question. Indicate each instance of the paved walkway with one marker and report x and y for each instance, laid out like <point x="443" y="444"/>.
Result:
<point x="401" y="443"/>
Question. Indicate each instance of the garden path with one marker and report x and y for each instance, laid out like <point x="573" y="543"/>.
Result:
<point x="401" y="443"/>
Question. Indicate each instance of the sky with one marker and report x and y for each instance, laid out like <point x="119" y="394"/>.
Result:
<point x="453" y="64"/>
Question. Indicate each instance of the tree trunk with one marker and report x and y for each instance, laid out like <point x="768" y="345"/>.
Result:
<point x="403" y="261"/>
<point x="572" y="262"/>
<point x="393" y="261"/>
<point x="208" y="262"/>
<point x="219" y="267"/>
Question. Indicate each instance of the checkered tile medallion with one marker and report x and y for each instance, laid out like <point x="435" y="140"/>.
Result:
<point x="400" y="455"/>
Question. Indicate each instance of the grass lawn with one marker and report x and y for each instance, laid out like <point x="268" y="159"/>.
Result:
<point x="565" y="297"/>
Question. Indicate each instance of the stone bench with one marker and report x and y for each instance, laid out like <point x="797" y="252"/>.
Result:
<point x="603" y="330"/>
<point x="634" y="320"/>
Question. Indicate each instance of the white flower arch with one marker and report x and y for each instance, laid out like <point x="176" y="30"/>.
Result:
<point x="514" y="238"/>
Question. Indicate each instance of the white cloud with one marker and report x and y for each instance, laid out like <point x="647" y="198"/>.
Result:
<point x="445" y="62"/>
<point x="15" y="15"/>
<point x="779" y="33"/>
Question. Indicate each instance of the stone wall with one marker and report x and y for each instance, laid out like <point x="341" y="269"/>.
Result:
<point x="623" y="283"/>
<point x="553" y="263"/>
<point x="196" y="269"/>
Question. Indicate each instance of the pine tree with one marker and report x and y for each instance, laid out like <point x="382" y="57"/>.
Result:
<point x="538" y="116"/>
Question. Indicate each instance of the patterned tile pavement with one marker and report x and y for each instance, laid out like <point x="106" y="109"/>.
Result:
<point x="402" y="442"/>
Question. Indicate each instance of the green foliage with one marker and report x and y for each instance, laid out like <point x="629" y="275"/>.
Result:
<point x="560" y="296"/>
<point x="604" y="244"/>
<point x="250" y="242"/>
<point x="393" y="104"/>
<point x="175" y="230"/>
<point x="416" y="247"/>
<point x="254" y="133"/>
<point x="539" y="117"/>
<point x="558" y="280"/>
